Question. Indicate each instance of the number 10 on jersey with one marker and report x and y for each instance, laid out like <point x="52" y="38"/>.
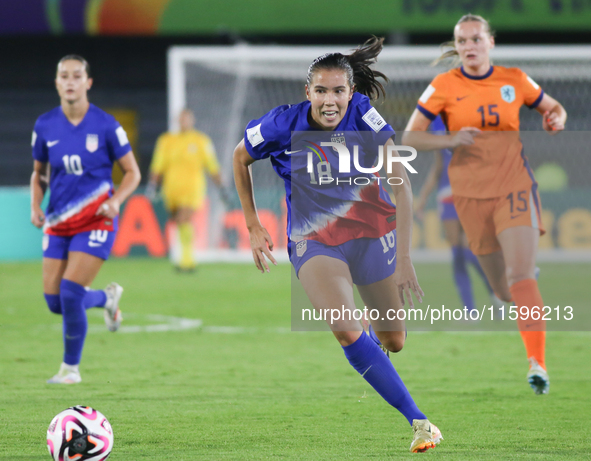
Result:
<point x="72" y="164"/>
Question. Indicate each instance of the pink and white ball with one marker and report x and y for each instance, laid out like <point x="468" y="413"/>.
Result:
<point x="80" y="434"/>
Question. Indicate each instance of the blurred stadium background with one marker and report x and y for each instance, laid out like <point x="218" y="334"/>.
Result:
<point x="142" y="79"/>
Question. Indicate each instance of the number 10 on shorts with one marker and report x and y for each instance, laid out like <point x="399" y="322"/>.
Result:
<point x="388" y="241"/>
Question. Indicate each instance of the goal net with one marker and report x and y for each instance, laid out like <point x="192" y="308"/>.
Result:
<point x="227" y="87"/>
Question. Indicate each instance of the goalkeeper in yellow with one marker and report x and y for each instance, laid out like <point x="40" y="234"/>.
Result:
<point x="180" y="163"/>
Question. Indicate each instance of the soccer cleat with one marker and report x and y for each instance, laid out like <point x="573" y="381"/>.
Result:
<point x="68" y="374"/>
<point x="426" y="435"/>
<point x="112" y="312"/>
<point x="538" y="378"/>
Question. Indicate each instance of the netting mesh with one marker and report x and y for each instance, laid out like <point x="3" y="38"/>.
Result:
<point x="229" y="90"/>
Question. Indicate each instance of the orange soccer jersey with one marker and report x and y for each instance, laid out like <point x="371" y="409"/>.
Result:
<point x="495" y="164"/>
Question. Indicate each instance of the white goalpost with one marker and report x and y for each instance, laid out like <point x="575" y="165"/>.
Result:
<point x="227" y="87"/>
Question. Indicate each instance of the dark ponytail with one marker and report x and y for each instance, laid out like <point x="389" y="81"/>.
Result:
<point x="357" y="66"/>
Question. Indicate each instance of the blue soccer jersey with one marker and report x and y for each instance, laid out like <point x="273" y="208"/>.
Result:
<point x="81" y="161"/>
<point x="444" y="194"/>
<point x="325" y="201"/>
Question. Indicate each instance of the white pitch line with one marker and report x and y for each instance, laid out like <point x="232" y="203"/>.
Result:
<point x="166" y="323"/>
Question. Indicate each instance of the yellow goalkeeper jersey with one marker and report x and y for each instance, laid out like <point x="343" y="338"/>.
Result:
<point x="183" y="159"/>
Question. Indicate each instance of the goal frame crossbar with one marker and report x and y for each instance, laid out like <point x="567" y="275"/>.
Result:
<point x="240" y="60"/>
<point x="178" y="56"/>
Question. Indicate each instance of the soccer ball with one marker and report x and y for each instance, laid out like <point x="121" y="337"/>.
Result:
<point x="79" y="434"/>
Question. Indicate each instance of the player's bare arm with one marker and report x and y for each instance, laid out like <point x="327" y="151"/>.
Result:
<point x="38" y="187"/>
<point x="153" y="183"/>
<point x="129" y="183"/>
<point x="217" y="179"/>
<point x="553" y="114"/>
<point x="415" y="135"/>
<point x="260" y="240"/>
<point x="223" y="191"/>
<point x="404" y="276"/>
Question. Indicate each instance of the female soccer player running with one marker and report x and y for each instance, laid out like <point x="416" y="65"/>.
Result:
<point x="340" y="236"/>
<point x="452" y="228"/>
<point x="494" y="189"/>
<point x="78" y="143"/>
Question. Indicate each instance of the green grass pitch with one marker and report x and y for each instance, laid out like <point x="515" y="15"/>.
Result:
<point x="243" y="387"/>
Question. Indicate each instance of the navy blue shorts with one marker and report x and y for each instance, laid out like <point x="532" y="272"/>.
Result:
<point x="447" y="211"/>
<point x="97" y="243"/>
<point x="369" y="260"/>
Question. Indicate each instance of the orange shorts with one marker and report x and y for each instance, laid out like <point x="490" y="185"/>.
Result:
<point x="484" y="219"/>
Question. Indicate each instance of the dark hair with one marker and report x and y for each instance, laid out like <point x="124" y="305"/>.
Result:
<point x="356" y="65"/>
<point x="452" y="53"/>
<point x="75" y="57"/>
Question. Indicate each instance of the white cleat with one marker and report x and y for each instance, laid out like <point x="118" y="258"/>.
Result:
<point x="112" y="312"/>
<point x="68" y="374"/>
<point x="538" y="378"/>
<point x="426" y="435"/>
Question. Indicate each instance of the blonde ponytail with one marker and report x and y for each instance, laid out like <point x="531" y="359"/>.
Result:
<point x="452" y="53"/>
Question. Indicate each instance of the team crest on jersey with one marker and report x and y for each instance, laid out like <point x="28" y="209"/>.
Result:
<point x="92" y="142"/>
<point x="338" y="138"/>
<point x="301" y="248"/>
<point x="508" y="93"/>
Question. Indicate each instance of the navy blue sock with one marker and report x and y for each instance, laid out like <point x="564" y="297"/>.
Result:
<point x="53" y="302"/>
<point x="95" y="298"/>
<point x="370" y="362"/>
<point x="462" y="278"/>
<point x="471" y="258"/>
<point x="75" y="323"/>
